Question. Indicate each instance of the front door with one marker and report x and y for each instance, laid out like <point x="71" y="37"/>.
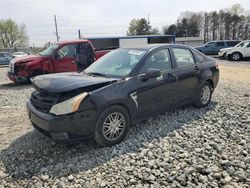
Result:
<point x="156" y="94"/>
<point x="65" y="60"/>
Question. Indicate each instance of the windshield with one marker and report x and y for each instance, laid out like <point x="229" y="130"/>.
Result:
<point x="49" y="50"/>
<point x="242" y="44"/>
<point x="117" y="63"/>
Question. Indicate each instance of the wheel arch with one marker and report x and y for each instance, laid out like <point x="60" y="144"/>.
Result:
<point x="210" y="81"/>
<point x="116" y="103"/>
<point x="235" y="53"/>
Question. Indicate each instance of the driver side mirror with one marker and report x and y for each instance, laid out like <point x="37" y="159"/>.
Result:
<point x="151" y="73"/>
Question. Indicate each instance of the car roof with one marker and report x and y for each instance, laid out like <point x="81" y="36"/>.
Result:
<point x="154" y="46"/>
<point x="225" y="41"/>
<point x="71" y="41"/>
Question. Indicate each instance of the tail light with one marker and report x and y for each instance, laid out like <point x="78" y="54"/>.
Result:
<point x="216" y="65"/>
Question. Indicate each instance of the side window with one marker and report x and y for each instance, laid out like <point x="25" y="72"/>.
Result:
<point x="232" y="43"/>
<point x="1" y="55"/>
<point x="183" y="57"/>
<point x="248" y="46"/>
<point x="66" y="51"/>
<point x="158" y="60"/>
<point x="210" y="44"/>
<point x="220" y="43"/>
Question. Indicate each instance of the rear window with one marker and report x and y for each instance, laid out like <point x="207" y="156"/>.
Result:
<point x="232" y="43"/>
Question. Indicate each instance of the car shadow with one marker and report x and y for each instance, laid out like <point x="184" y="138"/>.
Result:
<point x="34" y="154"/>
<point x="14" y="86"/>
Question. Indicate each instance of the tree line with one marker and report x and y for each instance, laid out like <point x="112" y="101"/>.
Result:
<point x="225" y="24"/>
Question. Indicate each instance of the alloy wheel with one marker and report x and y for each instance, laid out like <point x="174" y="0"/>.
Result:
<point x="205" y="94"/>
<point x="113" y="126"/>
<point x="236" y="57"/>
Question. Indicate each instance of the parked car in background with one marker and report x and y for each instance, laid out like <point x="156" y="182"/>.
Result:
<point x="213" y="47"/>
<point x="236" y="53"/>
<point x="19" y="54"/>
<point x="58" y="57"/>
<point x="5" y="58"/>
<point x="124" y="87"/>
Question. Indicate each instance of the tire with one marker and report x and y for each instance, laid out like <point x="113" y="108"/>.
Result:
<point x="204" y="96"/>
<point x="236" y="56"/>
<point x="104" y="129"/>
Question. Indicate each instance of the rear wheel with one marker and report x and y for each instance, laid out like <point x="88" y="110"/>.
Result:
<point x="204" y="95"/>
<point x="236" y="56"/>
<point x="112" y="126"/>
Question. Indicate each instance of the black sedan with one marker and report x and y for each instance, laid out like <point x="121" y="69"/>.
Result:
<point x="122" y="88"/>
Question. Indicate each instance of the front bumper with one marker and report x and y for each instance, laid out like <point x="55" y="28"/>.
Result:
<point x="221" y="54"/>
<point x="71" y="127"/>
<point x="16" y="78"/>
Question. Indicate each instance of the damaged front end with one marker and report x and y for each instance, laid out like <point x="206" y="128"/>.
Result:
<point x="18" y="72"/>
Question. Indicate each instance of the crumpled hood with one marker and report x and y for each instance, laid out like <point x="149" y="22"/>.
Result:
<point x="23" y="59"/>
<point x="62" y="82"/>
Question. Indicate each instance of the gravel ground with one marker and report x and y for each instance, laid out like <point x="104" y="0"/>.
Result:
<point x="189" y="147"/>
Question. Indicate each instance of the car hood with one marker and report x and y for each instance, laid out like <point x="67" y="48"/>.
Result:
<point x="23" y="59"/>
<point x="63" y="82"/>
<point x="225" y="49"/>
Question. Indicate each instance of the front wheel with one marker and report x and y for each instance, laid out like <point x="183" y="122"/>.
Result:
<point x="236" y="56"/>
<point x="112" y="126"/>
<point x="204" y="95"/>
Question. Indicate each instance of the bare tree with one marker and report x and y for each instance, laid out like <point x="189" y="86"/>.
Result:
<point x="12" y="34"/>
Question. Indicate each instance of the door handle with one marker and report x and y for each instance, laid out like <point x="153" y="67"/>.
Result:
<point x="73" y="61"/>
<point x="197" y="67"/>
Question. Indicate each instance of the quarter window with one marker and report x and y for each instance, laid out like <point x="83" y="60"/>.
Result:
<point x="183" y="57"/>
<point x="158" y="60"/>
<point x="200" y="57"/>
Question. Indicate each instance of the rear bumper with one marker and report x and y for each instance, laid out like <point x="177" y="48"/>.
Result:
<point x="72" y="127"/>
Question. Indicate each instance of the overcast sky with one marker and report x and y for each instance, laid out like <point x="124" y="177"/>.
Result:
<point x="98" y="18"/>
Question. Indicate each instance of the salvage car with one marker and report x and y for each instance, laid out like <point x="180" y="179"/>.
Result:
<point x="124" y="87"/>
<point x="58" y="57"/>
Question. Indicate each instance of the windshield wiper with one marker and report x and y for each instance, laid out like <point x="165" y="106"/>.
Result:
<point x="96" y="74"/>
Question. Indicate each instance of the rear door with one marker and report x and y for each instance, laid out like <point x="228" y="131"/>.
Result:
<point x="219" y="45"/>
<point x="187" y="72"/>
<point x="65" y="60"/>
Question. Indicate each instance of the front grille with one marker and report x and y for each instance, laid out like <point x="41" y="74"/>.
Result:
<point x="43" y="101"/>
<point x="11" y="66"/>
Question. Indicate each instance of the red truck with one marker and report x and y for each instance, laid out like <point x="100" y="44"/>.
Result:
<point x="58" y="57"/>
